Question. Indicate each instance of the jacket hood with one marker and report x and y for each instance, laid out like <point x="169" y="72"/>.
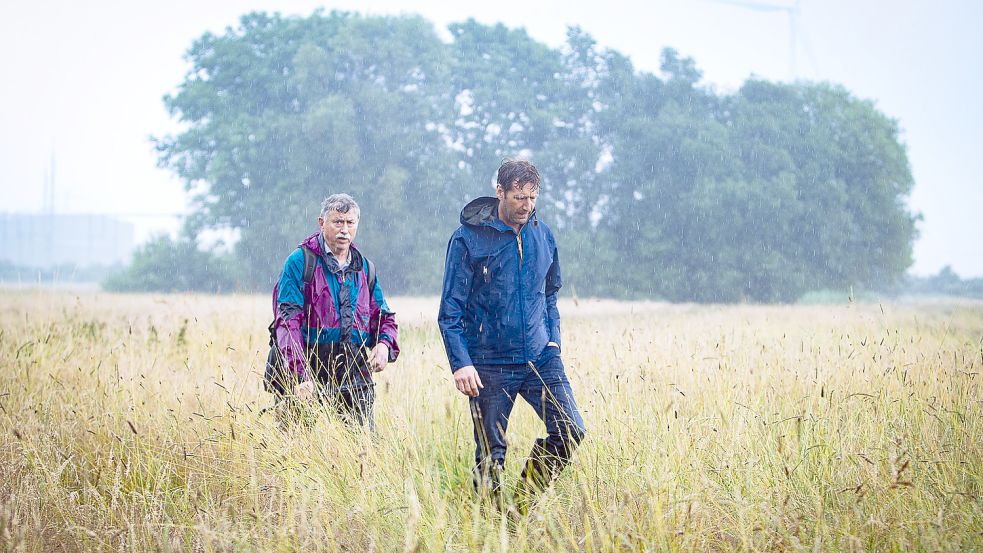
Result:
<point x="313" y="242"/>
<point x="480" y="211"/>
<point x="484" y="211"/>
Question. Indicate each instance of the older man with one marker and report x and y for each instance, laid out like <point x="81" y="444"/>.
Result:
<point x="333" y="326"/>
<point x="501" y="330"/>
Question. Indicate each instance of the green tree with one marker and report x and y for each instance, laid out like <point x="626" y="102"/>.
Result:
<point x="850" y="175"/>
<point x="656" y="184"/>
<point x="758" y="196"/>
<point x="167" y="265"/>
<point x="282" y="111"/>
<point x="505" y="100"/>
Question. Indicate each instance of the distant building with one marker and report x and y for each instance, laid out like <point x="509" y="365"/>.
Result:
<point x="46" y="240"/>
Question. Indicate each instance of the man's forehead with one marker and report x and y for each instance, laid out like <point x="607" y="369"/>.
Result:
<point x="527" y="189"/>
<point x="350" y="214"/>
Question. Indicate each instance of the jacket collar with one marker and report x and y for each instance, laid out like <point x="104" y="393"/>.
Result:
<point x="316" y="243"/>
<point x="483" y="212"/>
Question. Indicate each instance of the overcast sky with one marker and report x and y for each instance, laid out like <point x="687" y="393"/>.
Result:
<point x="85" y="80"/>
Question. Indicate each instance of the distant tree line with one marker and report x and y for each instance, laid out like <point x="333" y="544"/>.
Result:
<point x="656" y="185"/>
<point x="946" y="283"/>
<point x="62" y="273"/>
<point x="176" y="265"/>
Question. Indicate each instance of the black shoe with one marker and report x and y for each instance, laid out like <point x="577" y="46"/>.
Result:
<point x="487" y="481"/>
<point x="541" y="468"/>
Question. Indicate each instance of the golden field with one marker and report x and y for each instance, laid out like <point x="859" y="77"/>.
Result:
<point x="132" y="423"/>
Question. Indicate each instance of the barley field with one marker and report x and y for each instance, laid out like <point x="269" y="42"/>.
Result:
<point x="133" y="423"/>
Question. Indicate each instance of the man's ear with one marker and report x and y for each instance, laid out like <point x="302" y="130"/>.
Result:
<point x="499" y="191"/>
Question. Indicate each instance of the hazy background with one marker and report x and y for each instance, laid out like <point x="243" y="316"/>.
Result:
<point x="84" y="81"/>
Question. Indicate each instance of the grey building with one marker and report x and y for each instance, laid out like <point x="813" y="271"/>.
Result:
<point x="45" y="240"/>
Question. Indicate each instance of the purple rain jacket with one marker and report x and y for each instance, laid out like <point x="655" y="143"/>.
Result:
<point x="322" y="313"/>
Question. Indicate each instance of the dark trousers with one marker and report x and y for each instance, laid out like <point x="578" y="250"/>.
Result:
<point x="544" y="387"/>
<point x="353" y="405"/>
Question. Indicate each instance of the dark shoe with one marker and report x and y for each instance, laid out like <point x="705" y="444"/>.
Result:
<point x="541" y="468"/>
<point x="487" y="481"/>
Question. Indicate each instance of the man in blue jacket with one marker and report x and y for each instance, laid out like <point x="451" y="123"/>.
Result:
<point x="501" y="329"/>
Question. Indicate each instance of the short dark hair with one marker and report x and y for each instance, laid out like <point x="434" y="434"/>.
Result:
<point x="517" y="172"/>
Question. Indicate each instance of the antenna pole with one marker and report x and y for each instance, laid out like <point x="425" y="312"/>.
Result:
<point x="793" y="21"/>
<point x="51" y="187"/>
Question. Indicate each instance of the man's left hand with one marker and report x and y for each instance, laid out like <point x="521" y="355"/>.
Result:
<point x="378" y="357"/>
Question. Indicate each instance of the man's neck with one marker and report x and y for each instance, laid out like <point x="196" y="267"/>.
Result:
<point x="341" y="256"/>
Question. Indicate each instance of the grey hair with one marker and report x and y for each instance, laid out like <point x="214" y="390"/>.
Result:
<point x="342" y="203"/>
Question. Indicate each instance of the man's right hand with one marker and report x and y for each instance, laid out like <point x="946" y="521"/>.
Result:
<point x="304" y="391"/>
<point x="467" y="381"/>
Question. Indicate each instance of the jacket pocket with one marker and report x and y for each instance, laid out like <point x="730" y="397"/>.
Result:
<point x="482" y="332"/>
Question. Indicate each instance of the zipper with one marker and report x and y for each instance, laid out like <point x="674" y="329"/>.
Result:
<point x="522" y="311"/>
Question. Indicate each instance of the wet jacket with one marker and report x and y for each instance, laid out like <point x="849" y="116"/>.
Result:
<point x="334" y="314"/>
<point x="498" y="304"/>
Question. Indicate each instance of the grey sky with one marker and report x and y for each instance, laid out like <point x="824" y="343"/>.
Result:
<point x="85" y="79"/>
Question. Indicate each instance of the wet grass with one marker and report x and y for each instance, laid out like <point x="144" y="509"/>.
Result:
<point x="132" y="423"/>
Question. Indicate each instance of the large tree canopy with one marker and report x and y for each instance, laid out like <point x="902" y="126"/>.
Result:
<point x="282" y="111"/>
<point x="656" y="185"/>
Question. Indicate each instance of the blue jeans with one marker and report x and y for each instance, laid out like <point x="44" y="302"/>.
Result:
<point x="545" y="387"/>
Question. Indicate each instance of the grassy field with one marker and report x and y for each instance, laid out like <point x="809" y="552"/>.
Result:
<point x="131" y="423"/>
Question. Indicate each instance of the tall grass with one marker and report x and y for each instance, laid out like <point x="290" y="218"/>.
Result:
<point x="133" y="423"/>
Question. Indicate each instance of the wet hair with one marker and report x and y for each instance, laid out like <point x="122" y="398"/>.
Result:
<point x="517" y="172"/>
<point x="342" y="203"/>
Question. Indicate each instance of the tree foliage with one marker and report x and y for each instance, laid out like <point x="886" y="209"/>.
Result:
<point x="945" y="283"/>
<point x="282" y="111"/>
<point x="656" y="185"/>
<point x="167" y="265"/>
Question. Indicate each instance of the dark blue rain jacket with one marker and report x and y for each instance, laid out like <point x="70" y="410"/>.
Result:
<point x="498" y="304"/>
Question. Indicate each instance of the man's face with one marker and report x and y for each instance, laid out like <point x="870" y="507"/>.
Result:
<point x="515" y="206"/>
<point x="339" y="229"/>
